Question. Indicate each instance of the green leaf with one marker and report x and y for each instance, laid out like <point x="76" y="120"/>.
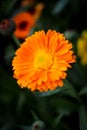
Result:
<point x="67" y="88"/>
<point x="34" y="115"/>
<point x="71" y="90"/>
<point x="83" y="91"/>
<point x="64" y="105"/>
<point x="57" y="120"/>
<point x="49" y="93"/>
<point x="59" y="6"/>
<point x="83" y="118"/>
<point x="76" y="75"/>
<point x="20" y="102"/>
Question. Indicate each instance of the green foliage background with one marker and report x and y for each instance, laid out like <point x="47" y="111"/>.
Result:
<point x="62" y="109"/>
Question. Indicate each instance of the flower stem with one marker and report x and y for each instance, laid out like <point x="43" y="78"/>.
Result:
<point x="17" y="42"/>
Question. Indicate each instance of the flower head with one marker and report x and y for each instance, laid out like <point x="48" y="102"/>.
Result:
<point x="38" y="125"/>
<point x="41" y="61"/>
<point x="82" y="47"/>
<point x="24" y="22"/>
<point x="7" y="27"/>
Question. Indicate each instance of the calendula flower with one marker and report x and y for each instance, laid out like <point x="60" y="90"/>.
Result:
<point x="42" y="60"/>
<point x="82" y="48"/>
<point x="24" y="22"/>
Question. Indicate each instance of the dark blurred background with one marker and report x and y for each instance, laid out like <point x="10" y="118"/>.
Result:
<point x="62" y="109"/>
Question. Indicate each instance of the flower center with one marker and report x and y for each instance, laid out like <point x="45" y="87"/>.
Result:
<point x="42" y="60"/>
<point x="23" y="25"/>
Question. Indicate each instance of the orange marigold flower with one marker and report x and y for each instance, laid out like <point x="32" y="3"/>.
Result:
<point x="24" y="22"/>
<point x="41" y="61"/>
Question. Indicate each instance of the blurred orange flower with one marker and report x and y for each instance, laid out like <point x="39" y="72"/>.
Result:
<point x="27" y="2"/>
<point x="38" y="10"/>
<point x="42" y="60"/>
<point x="24" y="22"/>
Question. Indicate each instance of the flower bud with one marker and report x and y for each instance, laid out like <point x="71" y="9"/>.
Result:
<point x="38" y="125"/>
<point x="7" y="27"/>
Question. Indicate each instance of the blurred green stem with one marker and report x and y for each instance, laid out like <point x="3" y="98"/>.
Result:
<point x="17" y="42"/>
<point x="34" y="115"/>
